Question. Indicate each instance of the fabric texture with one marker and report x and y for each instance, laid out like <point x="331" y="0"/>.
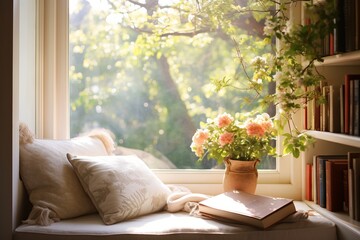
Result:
<point x="121" y="187"/>
<point x="178" y="226"/>
<point x="53" y="188"/>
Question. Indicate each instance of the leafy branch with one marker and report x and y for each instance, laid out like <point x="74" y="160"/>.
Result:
<point x="296" y="84"/>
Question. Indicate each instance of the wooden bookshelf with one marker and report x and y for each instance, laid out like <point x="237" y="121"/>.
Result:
<point x="334" y="68"/>
<point x="338" y="138"/>
<point x="343" y="59"/>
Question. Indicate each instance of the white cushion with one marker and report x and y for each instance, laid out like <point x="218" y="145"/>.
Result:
<point x="121" y="187"/>
<point x="179" y="226"/>
<point x="53" y="188"/>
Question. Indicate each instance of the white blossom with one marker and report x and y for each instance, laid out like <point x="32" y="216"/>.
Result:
<point x="269" y="27"/>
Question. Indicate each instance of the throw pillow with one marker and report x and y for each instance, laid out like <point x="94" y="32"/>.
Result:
<point x="121" y="187"/>
<point x="53" y="188"/>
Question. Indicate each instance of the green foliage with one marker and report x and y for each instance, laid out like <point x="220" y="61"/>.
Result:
<point x="296" y="83"/>
<point x="144" y="69"/>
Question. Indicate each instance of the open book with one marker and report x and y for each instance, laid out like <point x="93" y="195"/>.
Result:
<point x="245" y="208"/>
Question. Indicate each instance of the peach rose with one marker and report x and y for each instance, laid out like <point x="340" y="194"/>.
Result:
<point x="226" y="138"/>
<point x="265" y="121"/>
<point x="267" y="126"/>
<point x="224" y="120"/>
<point x="255" y="129"/>
<point x="198" y="149"/>
<point x="200" y="137"/>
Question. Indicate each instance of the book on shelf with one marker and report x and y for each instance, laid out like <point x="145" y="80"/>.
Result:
<point x="350" y="104"/>
<point x="308" y="182"/>
<point x="335" y="186"/>
<point x="354" y="185"/>
<point x="346" y="190"/>
<point x="346" y="35"/>
<point x="336" y="179"/>
<point x="240" y="207"/>
<point x="355" y="108"/>
<point x="340" y="110"/>
<point x="341" y="92"/>
<point x="309" y="117"/>
<point x="325" y="109"/>
<point x="319" y="163"/>
<point x="313" y="111"/>
<point x="331" y="109"/>
<point x="305" y="112"/>
<point x="351" y="27"/>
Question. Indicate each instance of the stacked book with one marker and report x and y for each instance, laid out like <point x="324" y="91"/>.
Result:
<point x="333" y="182"/>
<point x="346" y="34"/>
<point x="338" y="110"/>
<point x="244" y="208"/>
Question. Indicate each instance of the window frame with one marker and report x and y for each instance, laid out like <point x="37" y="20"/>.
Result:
<point x="53" y="121"/>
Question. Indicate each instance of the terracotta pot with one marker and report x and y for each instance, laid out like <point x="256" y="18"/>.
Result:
<point x="240" y="175"/>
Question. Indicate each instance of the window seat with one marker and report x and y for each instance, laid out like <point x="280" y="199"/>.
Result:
<point x="180" y="225"/>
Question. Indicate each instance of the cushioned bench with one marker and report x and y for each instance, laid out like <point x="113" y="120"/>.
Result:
<point x="105" y="196"/>
<point x="180" y="225"/>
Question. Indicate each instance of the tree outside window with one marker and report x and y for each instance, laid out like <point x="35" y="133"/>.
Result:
<point x="144" y="70"/>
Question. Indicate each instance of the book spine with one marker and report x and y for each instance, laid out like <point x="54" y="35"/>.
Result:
<point x="329" y="192"/>
<point x="322" y="182"/>
<point x="356" y="185"/>
<point x="349" y="25"/>
<point x="308" y="182"/>
<point x="314" y="178"/>
<point x="339" y="31"/>
<point x="318" y="181"/>
<point x="346" y="190"/>
<point x="349" y="102"/>
<point x="351" y="189"/>
<point x="346" y="104"/>
<point x="334" y="186"/>
<point x="356" y="105"/>
<point x="353" y="183"/>
<point x="341" y="99"/>
<point x="351" y="108"/>
<point x="317" y="111"/>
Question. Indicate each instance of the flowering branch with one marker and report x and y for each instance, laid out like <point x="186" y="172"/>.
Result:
<point x="294" y="82"/>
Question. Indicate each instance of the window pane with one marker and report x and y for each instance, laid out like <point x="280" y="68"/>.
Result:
<point x="144" y="70"/>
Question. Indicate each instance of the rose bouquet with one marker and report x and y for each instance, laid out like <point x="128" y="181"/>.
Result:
<point x="240" y="139"/>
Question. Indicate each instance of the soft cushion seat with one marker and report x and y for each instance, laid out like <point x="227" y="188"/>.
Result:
<point x="120" y="187"/>
<point x="173" y="226"/>
<point x="53" y="188"/>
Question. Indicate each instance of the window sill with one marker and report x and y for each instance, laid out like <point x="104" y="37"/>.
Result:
<point x="210" y="182"/>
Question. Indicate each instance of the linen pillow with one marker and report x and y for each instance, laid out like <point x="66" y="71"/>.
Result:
<point x="54" y="190"/>
<point x="121" y="187"/>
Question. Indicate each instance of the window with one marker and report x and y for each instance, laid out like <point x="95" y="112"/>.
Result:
<point x="52" y="110"/>
<point x="143" y="69"/>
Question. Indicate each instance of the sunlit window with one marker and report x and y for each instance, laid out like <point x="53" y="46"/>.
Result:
<point x="144" y="69"/>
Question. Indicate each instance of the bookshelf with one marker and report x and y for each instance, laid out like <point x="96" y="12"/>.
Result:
<point x="337" y="138"/>
<point x="334" y="68"/>
<point x="342" y="59"/>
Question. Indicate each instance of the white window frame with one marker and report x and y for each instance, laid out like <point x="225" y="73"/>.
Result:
<point x="52" y="110"/>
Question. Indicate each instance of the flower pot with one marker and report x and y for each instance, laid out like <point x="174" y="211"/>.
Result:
<point x="240" y="175"/>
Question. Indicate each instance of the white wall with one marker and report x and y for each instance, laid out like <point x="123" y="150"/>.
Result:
<point x="27" y="49"/>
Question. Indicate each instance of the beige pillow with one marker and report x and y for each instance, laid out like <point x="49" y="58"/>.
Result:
<point x="121" y="187"/>
<point x="54" y="190"/>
